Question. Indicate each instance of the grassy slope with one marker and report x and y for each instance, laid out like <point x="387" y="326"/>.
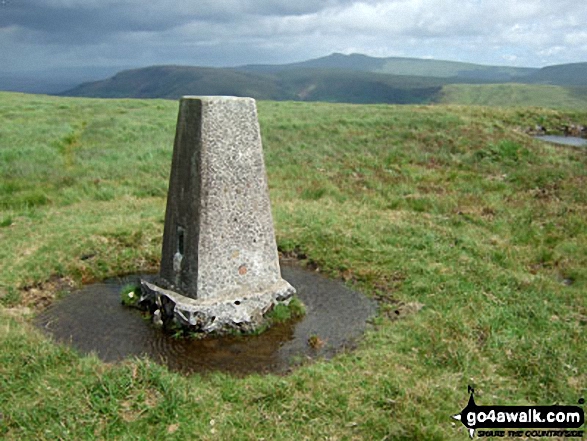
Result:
<point x="400" y="66"/>
<point x="175" y="81"/>
<point x="515" y="95"/>
<point x="447" y="206"/>
<point x="354" y="79"/>
<point x="448" y="69"/>
<point x="574" y="74"/>
<point x="332" y="85"/>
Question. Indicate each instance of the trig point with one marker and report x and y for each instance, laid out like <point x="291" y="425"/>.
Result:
<point x="219" y="263"/>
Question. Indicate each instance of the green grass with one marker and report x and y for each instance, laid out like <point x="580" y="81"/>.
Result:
<point x="130" y="294"/>
<point x="452" y="207"/>
<point x="282" y="313"/>
<point x="557" y="97"/>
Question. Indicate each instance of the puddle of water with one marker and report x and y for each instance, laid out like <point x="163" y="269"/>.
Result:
<point x="93" y="320"/>
<point x="564" y="140"/>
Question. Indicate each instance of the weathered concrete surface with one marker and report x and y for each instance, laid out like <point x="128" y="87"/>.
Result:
<point x="218" y="314"/>
<point x="219" y="241"/>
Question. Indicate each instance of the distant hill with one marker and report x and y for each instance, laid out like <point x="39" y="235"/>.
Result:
<point x="512" y="94"/>
<point x="355" y="79"/>
<point x="563" y="75"/>
<point x="402" y="66"/>
<point x="333" y="85"/>
<point x="175" y="81"/>
<point x="337" y="85"/>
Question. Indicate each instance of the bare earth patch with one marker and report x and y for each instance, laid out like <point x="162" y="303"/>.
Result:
<point x="40" y="295"/>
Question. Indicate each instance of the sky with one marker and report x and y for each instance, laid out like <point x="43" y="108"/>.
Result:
<point x="47" y="34"/>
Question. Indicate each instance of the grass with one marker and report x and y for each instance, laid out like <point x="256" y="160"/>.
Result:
<point x="452" y="207"/>
<point x="130" y="294"/>
<point x="511" y="94"/>
<point x="282" y="313"/>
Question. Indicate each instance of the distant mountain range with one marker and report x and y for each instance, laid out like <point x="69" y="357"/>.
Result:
<point x="351" y="78"/>
<point x="401" y="66"/>
<point x="53" y="81"/>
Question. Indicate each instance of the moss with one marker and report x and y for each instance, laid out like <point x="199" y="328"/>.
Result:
<point x="282" y="312"/>
<point x="130" y="294"/>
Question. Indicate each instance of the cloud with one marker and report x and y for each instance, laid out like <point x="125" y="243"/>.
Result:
<point x="232" y="32"/>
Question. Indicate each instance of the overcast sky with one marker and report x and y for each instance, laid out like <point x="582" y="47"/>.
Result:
<point x="38" y="34"/>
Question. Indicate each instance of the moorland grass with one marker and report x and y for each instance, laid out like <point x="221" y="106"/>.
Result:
<point x="513" y="94"/>
<point x="450" y="207"/>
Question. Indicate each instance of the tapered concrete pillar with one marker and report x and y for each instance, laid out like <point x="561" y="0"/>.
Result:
<point x="219" y="263"/>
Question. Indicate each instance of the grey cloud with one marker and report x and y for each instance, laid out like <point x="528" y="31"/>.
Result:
<point x="89" y="22"/>
<point x="232" y="32"/>
<point x="76" y="22"/>
<point x="65" y="16"/>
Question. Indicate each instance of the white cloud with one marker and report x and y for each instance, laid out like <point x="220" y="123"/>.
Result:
<point x="231" y="32"/>
<point x="554" y="50"/>
<point x="578" y="38"/>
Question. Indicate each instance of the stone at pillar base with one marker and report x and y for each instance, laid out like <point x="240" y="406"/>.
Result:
<point x="220" y="315"/>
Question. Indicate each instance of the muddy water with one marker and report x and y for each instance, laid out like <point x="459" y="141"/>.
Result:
<point x="93" y="320"/>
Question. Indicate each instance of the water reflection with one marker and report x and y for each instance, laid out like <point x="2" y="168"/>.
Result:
<point x="564" y="140"/>
<point x="93" y="320"/>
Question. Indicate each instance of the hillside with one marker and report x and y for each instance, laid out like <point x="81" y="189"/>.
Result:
<point x="402" y="66"/>
<point x="512" y="94"/>
<point x="173" y="82"/>
<point x="356" y="79"/>
<point x="336" y="85"/>
<point x="469" y="234"/>
<point x="564" y="75"/>
<point x="333" y="85"/>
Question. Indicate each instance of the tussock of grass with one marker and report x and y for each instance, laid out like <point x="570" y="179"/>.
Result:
<point x="282" y="313"/>
<point x="450" y="207"/>
<point x="130" y="294"/>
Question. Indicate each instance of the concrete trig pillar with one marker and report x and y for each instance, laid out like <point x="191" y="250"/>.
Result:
<point x="219" y="263"/>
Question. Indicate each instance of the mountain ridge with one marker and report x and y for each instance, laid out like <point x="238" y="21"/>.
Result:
<point x="354" y="78"/>
<point x="398" y="66"/>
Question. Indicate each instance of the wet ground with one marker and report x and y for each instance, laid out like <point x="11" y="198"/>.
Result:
<point x="93" y="320"/>
<point x="564" y="140"/>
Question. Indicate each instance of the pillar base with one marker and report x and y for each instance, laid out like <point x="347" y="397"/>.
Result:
<point x="219" y="315"/>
